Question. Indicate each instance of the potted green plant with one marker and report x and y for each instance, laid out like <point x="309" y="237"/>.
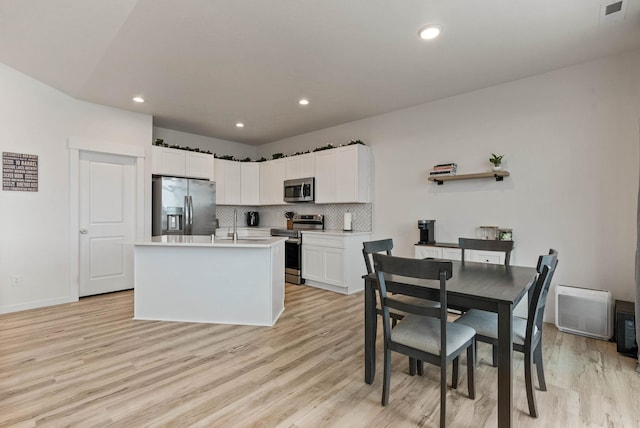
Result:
<point x="496" y="161"/>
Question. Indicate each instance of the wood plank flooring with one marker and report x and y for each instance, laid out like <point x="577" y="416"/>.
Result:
<point x="89" y="364"/>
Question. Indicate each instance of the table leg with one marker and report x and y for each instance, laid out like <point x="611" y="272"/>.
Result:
<point x="505" y="365"/>
<point x="370" y="324"/>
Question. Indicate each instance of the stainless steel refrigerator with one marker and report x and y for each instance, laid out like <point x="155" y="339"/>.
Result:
<point x="183" y="206"/>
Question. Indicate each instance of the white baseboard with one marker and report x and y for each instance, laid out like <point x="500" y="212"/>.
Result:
<point x="36" y="304"/>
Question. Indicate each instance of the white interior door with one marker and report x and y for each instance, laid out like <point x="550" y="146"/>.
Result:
<point x="107" y="222"/>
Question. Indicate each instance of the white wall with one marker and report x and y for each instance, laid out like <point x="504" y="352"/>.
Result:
<point x="214" y="145"/>
<point x="34" y="236"/>
<point x="571" y="142"/>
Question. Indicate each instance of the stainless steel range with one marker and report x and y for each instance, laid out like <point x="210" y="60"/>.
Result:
<point x="293" y="245"/>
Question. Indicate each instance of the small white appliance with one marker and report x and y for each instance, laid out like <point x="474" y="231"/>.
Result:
<point x="585" y="312"/>
<point x="347" y="222"/>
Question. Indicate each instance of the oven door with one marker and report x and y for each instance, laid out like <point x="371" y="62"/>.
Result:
<point x="293" y="261"/>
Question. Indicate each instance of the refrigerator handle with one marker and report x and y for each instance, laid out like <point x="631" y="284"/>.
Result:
<point x="190" y="215"/>
<point x="187" y="215"/>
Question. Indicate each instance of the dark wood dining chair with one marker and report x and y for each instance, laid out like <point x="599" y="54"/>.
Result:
<point x="527" y="333"/>
<point x="385" y="246"/>
<point x="424" y="334"/>
<point x="487" y="245"/>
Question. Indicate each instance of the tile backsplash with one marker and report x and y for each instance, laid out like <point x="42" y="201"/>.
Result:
<point x="273" y="215"/>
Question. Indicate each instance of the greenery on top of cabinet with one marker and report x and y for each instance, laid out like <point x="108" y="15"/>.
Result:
<point x="160" y="142"/>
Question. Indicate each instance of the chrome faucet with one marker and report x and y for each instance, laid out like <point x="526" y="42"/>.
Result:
<point x="235" y="225"/>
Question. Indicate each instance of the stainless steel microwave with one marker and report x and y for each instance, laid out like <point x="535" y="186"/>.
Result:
<point x="300" y="190"/>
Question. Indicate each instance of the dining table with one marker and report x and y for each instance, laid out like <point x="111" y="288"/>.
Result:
<point x="490" y="287"/>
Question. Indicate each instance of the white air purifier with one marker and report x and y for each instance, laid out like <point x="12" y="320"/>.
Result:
<point x="584" y="312"/>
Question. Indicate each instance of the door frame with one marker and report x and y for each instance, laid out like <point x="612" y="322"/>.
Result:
<point x="76" y="146"/>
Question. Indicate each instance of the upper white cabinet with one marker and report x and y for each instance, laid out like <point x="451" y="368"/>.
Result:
<point x="343" y="174"/>
<point x="228" y="185"/>
<point x="300" y="166"/>
<point x="199" y="165"/>
<point x="250" y="183"/>
<point x="181" y="163"/>
<point x="272" y="176"/>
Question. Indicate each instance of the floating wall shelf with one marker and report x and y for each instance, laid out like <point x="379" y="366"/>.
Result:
<point x="498" y="175"/>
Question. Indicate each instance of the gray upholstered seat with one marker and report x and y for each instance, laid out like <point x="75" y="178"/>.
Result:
<point x="423" y="333"/>
<point x="486" y="324"/>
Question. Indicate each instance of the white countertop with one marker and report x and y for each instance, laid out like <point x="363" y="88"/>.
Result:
<point x="337" y="232"/>
<point x="205" y="241"/>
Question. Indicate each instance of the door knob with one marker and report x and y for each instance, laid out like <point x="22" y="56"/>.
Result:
<point x="84" y="231"/>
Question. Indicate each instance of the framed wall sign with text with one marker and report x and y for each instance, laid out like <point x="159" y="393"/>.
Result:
<point x="19" y="172"/>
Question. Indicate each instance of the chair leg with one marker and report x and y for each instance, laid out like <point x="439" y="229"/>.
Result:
<point x="412" y="366"/>
<point x="494" y="350"/>
<point x="443" y="396"/>
<point x="528" y="380"/>
<point x="454" y="373"/>
<point x="537" y="358"/>
<point x="420" y="367"/>
<point x="386" y="382"/>
<point x="471" y="381"/>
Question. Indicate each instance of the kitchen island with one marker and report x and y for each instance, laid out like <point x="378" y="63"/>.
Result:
<point x="192" y="279"/>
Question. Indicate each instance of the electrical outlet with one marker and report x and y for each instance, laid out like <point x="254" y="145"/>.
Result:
<point x="16" y="280"/>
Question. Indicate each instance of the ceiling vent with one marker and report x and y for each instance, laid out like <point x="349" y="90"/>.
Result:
<point x="613" y="12"/>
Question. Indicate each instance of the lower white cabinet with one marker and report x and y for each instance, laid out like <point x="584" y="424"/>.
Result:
<point x="334" y="261"/>
<point x="452" y="253"/>
<point x="493" y="257"/>
<point x="437" y="252"/>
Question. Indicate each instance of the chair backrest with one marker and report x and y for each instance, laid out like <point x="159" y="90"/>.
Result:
<point x="371" y="247"/>
<point x="434" y="269"/>
<point x="487" y="245"/>
<point x="539" y="298"/>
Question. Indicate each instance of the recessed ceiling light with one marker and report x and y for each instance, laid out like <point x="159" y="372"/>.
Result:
<point x="430" y="32"/>
<point x="239" y="125"/>
<point x="138" y="99"/>
<point x="303" y="102"/>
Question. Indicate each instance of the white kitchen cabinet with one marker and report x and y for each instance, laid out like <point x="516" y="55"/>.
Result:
<point x="228" y="186"/>
<point x="333" y="261"/>
<point x="300" y="166"/>
<point x="250" y="183"/>
<point x="452" y="253"/>
<point x="272" y="176"/>
<point x="422" y="252"/>
<point x="493" y="257"/>
<point x="181" y="163"/>
<point x="343" y="174"/>
<point x="199" y="165"/>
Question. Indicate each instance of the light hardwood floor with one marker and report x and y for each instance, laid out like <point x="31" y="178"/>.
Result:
<point x="89" y="364"/>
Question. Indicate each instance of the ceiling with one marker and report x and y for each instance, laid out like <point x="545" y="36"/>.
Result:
<point x="203" y="65"/>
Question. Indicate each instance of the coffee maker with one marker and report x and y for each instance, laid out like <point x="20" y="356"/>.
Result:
<point x="427" y="231"/>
